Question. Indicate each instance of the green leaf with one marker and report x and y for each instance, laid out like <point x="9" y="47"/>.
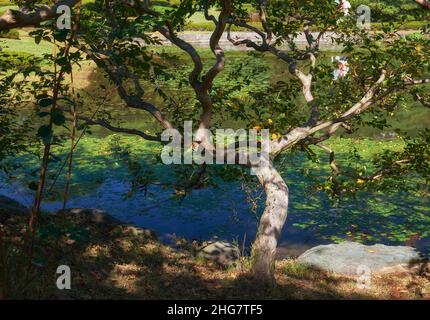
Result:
<point x="61" y="35"/>
<point x="45" y="133"/>
<point x="58" y="117"/>
<point x="45" y="102"/>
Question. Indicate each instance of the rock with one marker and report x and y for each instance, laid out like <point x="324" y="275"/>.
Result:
<point x="93" y="216"/>
<point x="220" y="252"/>
<point x="102" y="217"/>
<point x="347" y="257"/>
<point x="136" y="231"/>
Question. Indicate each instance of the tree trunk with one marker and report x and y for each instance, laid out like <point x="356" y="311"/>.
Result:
<point x="271" y="223"/>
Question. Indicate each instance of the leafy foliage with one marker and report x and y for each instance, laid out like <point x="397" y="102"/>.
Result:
<point x="14" y="92"/>
<point x="120" y="40"/>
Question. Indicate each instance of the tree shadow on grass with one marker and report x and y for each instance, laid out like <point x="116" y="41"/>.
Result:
<point x="109" y="260"/>
<point x="122" y="262"/>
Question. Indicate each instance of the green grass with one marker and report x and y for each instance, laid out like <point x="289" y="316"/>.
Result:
<point x="367" y="148"/>
<point x="209" y="26"/>
<point x="93" y="158"/>
<point x="294" y="269"/>
<point x="4" y="8"/>
<point x="10" y="34"/>
<point x="26" y="45"/>
<point x="96" y="157"/>
<point x="198" y="22"/>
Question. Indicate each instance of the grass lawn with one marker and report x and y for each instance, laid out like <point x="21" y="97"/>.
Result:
<point x="3" y="8"/>
<point x="27" y="45"/>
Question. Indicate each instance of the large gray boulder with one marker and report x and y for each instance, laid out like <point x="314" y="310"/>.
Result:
<point x="351" y="257"/>
<point x="220" y="252"/>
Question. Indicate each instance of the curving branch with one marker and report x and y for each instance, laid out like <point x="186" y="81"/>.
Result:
<point x="215" y="47"/>
<point x="305" y="79"/>
<point x="118" y="75"/>
<point x="290" y="59"/>
<point x="18" y="19"/>
<point x="299" y="134"/>
<point x="416" y="82"/>
<point x="202" y="87"/>
<point x="209" y="17"/>
<point x="143" y="7"/>
<point x="202" y="93"/>
<point x="105" y="124"/>
<point x="424" y="3"/>
<point x="194" y="75"/>
<point x="200" y="84"/>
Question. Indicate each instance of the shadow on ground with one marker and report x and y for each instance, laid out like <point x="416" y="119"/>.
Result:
<point x="113" y="261"/>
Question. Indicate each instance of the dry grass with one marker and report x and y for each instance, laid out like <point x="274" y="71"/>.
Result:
<point x="311" y="284"/>
<point x="113" y="263"/>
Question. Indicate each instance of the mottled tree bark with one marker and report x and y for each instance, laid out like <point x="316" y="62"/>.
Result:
<point x="271" y="223"/>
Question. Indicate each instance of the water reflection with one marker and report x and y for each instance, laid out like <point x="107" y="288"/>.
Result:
<point x="212" y="212"/>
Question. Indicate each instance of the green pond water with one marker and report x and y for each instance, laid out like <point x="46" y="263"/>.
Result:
<point x="411" y="118"/>
<point x="103" y="179"/>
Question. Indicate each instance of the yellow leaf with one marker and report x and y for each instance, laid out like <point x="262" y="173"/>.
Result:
<point x="275" y="136"/>
<point x="360" y="181"/>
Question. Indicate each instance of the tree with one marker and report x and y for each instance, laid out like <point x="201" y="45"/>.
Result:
<point x="377" y="76"/>
<point x="18" y="19"/>
<point x="384" y="68"/>
<point x="424" y="3"/>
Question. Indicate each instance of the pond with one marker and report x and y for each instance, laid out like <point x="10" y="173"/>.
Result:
<point x="411" y="118"/>
<point x="102" y="181"/>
